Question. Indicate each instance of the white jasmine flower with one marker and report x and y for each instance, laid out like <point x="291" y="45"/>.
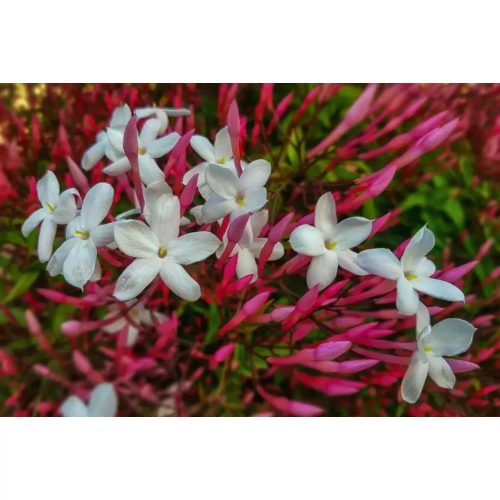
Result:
<point x="219" y="153"/>
<point x="137" y="313"/>
<point x="76" y="258"/>
<point x="447" y="338"/>
<point x="150" y="148"/>
<point x="121" y="116"/>
<point x="250" y="246"/>
<point x="412" y="274"/>
<point x="103" y="402"/>
<point x="236" y="195"/>
<point x="56" y="209"/>
<point x="158" y="250"/>
<point x="329" y="243"/>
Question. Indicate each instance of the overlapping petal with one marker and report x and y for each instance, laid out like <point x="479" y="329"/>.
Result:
<point x="418" y="247"/>
<point x="380" y="262"/>
<point x="308" y="240"/>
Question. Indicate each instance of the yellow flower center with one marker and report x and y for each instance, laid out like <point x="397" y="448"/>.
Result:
<point x="331" y="245"/>
<point x="240" y="200"/>
<point x="221" y="160"/>
<point x="142" y="151"/>
<point x="50" y="207"/>
<point x="427" y="348"/>
<point x="162" y="252"/>
<point x="84" y="235"/>
<point x="410" y="276"/>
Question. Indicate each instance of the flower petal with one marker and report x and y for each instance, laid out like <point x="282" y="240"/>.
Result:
<point x="118" y="167"/>
<point x="256" y="174"/>
<point x="322" y="270"/>
<point x="165" y="218"/>
<point x="136" y="277"/>
<point x="439" y="289"/>
<point x="222" y="146"/>
<point x="351" y="232"/>
<point x="56" y="262"/>
<point x="193" y="247"/>
<point x="407" y="298"/>
<point x="65" y="210"/>
<point x="222" y="181"/>
<point x="308" y="240"/>
<point x="246" y="264"/>
<point x="92" y="155"/>
<point x="347" y="261"/>
<point x="160" y="147"/>
<point x="135" y="239"/>
<point x="46" y="239"/>
<point x="103" y="235"/>
<point x="33" y="220"/>
<point x="198" y="170"/>
<point x="96" y="205"/>
<point x="441" y="373"/>
<point x="450" y="337"/>
<point x="203" y="147"/>
<point x="115" y="138"/>
<point x="425" y="268"/>
<point x="179" y="281"/>
<point x="103" y="401"/>
<point x="380" y="262"/>
<point x="325" y="214"/>
<point x="74" y="407"/>
<point x="423" y="318"/>
<point x="149" y="132"/>
<point x="258" y="220"/>
<point x="255" y="199"/>
<point x="216" y="208"/>
<point x="149" y="170"/>
<point x="79" y="265"/>
<point x="418" y="247"/>
<point x="120" y="117"/>
<point x="414" y="379"/>
<point x="48" y="188"/>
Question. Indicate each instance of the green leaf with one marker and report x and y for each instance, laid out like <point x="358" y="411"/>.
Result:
<point x="23" y="283"/>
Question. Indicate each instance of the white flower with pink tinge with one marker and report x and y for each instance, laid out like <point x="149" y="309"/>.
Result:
<point x="103" y="402"/>
<point x="158" y="250"/>
<point x="411" y="274"/>
<point x="250" y="246"/>
<point x="219" y="153"/>
<point x="150" y="148"/>
<point x="236" y="195"/>
<point x="76" y="258"/>
<point x="329" y="243"/>
<point x="447" y="338"/>
<point x="56" y="209"/>
<point x="121" y="116"/>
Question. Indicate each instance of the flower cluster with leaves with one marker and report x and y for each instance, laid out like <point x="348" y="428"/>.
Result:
<point x="163" y="234"/>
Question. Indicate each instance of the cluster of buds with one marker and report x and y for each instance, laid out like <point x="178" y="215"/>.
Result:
<point x="162" y="233"/>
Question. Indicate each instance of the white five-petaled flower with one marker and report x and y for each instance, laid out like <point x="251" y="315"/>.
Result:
<point x="250" y="246"/>
<point x="329" y="243"/>
<point x="121" y="116"/>
<point x="150" y="147"/>
<point x="103" y="402"/>
<point x="447" y="338"/>
<point x="56" y="209"/>
<point x="137" y="315"/>
<point x="236" y="195"/>
<point x="219" y="153"/>
<point x="158" y="250"/>
<point x="103" y="147"/>
<point x="76" y="258"/>
<point x="411" y="274"/>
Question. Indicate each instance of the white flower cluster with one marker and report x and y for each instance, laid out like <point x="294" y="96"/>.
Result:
<point x="155" y="243"/>
<point x="329" y="244"/>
